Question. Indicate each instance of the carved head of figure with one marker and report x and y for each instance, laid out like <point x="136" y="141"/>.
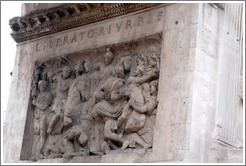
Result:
<point x="50" y="76"/>
<point x="154" y="87"/>
<point x="127" y="61"/>
<point x="139" y="71"/>
<point x="66" y="72"/>
<point x="140" y="60"/>
<point x="37" y="74"/>
<point x="119" y="71"/>
<point x="98" y="96"/>
<point x="38" y="70"/>
<point x="152" y="60"/>
<point x="79" y="69"/>
<point x="42" y="85"/>
<point x="88" y="65"/>
<point x="108" y="57"/>
<point x="136" y="72"/>
<point x="34" y="91"/>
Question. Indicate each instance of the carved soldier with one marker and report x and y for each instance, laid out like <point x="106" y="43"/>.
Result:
<point x="127" y="140"/>
<point x="153" y="63"/>
<point x="76" y="134"/>
<point x="51" y="78"/>
<point x="109" y="103"/>
<point x="44" y="76"/>
<point x="77" y="112"/>
<point x="64" y="83"/>
<point x="108" y="97"/>
<point x="150" y="100"/>
<point x="36" y="78"/>
<point x="140" y="75"/>
<point x="150" y="90"/>
<point x="42" y="103"/>
<point x="137" y="107"/>
<point x="106" y="69"/>
<point x="135" y="93"/>
<point x="74" y="98"/>
<point x="126" y="61"/>
<point x="137" y="119"/>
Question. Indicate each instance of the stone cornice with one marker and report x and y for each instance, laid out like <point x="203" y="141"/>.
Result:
<point x="44" y="22"/>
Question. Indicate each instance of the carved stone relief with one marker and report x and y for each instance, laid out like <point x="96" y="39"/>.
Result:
<point x="97" y="101"/>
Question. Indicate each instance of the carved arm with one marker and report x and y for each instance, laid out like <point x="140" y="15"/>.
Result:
<point x="145" y="78"/>
<point x="143" y="108"/>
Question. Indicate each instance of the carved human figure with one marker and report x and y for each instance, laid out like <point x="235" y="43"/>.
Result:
<point x="51" y="78"/>
<point x="111" y="135"/>
<point x="44" y="76"/>
<point x="109" y="101"/>
<point x="34" y="90"/>
<point x="64" y="83"/>
<point x="38" y="73"/>
<point x="36" y="78"/>
<point x="106" y="68"/>
<point x="95" y="76"/>
<point x="126" y="61"/>
<point x="78" y="105"/>
<point x="136" y="108"/>
<point x="153" y="64"/>
<point x="126" y="140"/>
<point x="133" y="90"/>
<point x="79" y="69"/>
<point x="150" y="101"/>
<point x="140" y="75"/>
<point x="75" y="134"/>
<point x="150" y="107"/>
<point x="42" y="103"/>
<point x="141" y="63"/>
<point x="135" y="93"/>
<point x="130" y="140"/>
<point x="78" y="94"/>
<point x="137" y="119"/>
<point x="109" y="104"/>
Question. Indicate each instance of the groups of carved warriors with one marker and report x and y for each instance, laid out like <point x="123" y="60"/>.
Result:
<point x="96" y="108"/>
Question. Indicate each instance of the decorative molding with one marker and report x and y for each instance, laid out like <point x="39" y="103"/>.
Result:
<point x="47" y="21"/>
<point x="218" y="5"/>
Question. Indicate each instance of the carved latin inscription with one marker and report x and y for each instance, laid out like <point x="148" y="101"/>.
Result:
<point x="96" y="102"/>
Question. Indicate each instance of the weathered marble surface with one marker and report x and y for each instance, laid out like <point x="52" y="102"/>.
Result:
<point x="198" y="82"/>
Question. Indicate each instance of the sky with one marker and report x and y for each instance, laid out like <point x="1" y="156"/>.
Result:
<point x="8" y="50"/>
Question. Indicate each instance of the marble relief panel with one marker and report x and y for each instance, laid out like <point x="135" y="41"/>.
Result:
<point x="96" y="102"/>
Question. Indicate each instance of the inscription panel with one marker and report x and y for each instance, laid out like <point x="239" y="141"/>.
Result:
<point x="116" y="30"/>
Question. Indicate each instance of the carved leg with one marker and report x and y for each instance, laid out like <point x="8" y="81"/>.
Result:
<point x="112" y="145"/>
<point x="83" y="139"/>
<point x="113" y="137"/>
<point x="54" y="120"/>
<point x="125" y="144"/>
<point x="126" y="111"/>
<point x="43" y="135"/>
<point x="105" y="147"/>
<point x="140" y="141"/>
<point x="69" y="149"/>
